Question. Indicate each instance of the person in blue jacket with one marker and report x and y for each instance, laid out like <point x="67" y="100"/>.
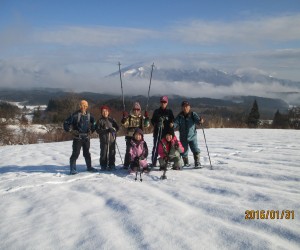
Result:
<point x="81" y="124"/>
<point x="186" y="122"/>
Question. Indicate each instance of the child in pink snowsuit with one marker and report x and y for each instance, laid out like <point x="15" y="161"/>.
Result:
<point x="138" y="151"/>
<point x="169" y="150"/>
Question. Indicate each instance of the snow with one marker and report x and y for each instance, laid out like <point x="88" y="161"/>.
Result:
<point x="32" y="128"/>
<point x="42" y="207"/>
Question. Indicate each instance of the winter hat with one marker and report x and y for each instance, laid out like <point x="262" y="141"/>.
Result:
<point x="83" y="103"/>
<point x="104" y="107"/>
<point x="170" y="131"/>
<point x="136" y="105"/>
<point x="164" y="99"/>
<point x="139" y="131"/>
<point x="185" y="103"/>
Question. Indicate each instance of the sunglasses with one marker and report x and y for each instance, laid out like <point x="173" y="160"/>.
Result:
<point x="136" y="109"/>
<point x="163" y="102"/>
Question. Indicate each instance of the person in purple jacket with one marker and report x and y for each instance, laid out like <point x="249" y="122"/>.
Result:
<point x="138" y="152"/>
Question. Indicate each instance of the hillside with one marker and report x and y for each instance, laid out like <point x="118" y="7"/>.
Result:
<point x="268" y="106"/>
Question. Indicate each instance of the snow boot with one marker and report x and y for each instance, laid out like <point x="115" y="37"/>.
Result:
<point x="197" y="160"/>
<point x="73" y="167"/>
<point x="73" y="172"/>
<point x="185" y="161"/>
<point x="91" y="169"/>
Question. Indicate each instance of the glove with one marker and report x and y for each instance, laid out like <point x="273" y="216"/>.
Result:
<point x="146" y="114"/>
<point x="74" y="132"/>
<point x="112" y="130"/>
<point x="125" y="114"/>
<point x="176" y="145"/>
<point x="137" y="160"/>
<point x="166" y="158"/>
<point x="201" y="120"/>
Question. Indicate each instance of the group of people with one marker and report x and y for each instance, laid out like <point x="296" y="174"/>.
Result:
<point x="167" y="149"/>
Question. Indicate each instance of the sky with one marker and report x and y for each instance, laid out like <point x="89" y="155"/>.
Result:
<point x="71" y="43"/>
<point x="43" y="207"/>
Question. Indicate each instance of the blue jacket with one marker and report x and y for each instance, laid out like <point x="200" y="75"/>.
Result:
<point x="79" y="122"/>
<point x="187" y="125"/>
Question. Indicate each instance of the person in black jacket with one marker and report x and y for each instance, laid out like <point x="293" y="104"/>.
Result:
<point x="107" y="129"/>
<point x="81" y="124"/>
<point x="161" y="120"/>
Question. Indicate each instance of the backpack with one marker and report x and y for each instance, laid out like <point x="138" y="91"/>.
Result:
<point x="79" y="116"/>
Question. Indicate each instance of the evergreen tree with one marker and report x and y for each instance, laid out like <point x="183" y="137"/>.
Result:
<point x="280" y="120"/>
<point x="253" y="117"/>
<point x="294" y="117"/>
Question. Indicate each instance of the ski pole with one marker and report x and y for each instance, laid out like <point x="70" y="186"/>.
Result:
<point x="163" y="177"/>
<point x="206" y="147"/>
<point x="152" y="66"/>
<point x="121" y="86"/>
<point x="156" y="145"/>
<point x="138" y="171"/>
<point x="107" y="153"/>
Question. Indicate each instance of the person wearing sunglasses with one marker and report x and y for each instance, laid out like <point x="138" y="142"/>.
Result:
<point x="161" y="120"/>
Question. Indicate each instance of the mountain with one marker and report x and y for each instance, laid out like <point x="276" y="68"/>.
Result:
<point x="206" y="75"/>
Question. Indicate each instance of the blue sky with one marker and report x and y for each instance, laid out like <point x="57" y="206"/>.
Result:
<point x="59" y="42"/>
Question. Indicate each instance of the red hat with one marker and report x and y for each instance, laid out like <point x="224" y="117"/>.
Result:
<point x="104" y="107"/>
<point x="164" y="99"/>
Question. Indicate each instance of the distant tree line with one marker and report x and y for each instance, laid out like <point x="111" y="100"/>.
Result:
<point x="8" y="110"/>
<point x="60" y="108"/>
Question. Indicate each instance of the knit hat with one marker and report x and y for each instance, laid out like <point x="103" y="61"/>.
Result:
<point x="164" y="99"/>
<point x="139" y="131"/>
<point x="136" y="105"/>
<point x="104" y="107"/>
<point x="170" y="131"/>
<point x="185" y="103"/>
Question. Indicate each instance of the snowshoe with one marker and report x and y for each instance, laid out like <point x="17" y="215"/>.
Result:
<point x="163" y="177"/>
<point x="198" y="166"/>
<point x="73" y="172"/>
<point x="92" y="170"/>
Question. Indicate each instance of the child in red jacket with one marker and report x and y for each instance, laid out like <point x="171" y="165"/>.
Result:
<point x="169" y="150"/>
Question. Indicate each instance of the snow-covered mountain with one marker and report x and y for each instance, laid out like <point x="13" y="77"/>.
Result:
<point x="206" y="75"/>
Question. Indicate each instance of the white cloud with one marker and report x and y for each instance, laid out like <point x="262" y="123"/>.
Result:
<point x="275" y="29"/>
<point x="93" y="36"/>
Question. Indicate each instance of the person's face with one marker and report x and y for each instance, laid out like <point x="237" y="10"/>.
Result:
<point x="137" y="136"/>
<point x="83" y="107"/>
<point x="136" y="111"/>
<point x="163" y="105"/>
<point x="105" y="113"/>
<point x="186" y="109"/>
<point x="169" y="137"/>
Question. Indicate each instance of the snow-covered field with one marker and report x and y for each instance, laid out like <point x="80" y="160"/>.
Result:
<point x="42" y="207"/>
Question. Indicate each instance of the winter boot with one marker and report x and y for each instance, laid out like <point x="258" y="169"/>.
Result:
<point x="89" y="165"/>
<point x="197" y="160"/>
<point x="73" y="167"/>
<point x="91" y="169"/>
<point x="185" y="161"/>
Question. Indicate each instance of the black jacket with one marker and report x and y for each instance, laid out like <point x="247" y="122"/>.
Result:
<point x="162" y="117"/>
<point x="106" y="126"/>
